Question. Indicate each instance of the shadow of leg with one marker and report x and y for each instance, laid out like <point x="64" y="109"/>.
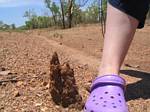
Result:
<point x="140" y="89"/>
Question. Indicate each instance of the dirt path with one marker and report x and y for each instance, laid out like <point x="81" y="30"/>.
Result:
<point x="73" y="54"/>
<point x="27" y="57"/>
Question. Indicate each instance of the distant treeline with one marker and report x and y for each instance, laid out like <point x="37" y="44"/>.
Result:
<point x="4" y="26"/>
<point x="66" y="13"/>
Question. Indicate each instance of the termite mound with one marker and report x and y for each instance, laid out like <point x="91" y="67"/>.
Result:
<point x="63" y="88"/>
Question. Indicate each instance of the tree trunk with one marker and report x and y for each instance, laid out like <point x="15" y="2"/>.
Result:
<point x="54" y="18"/>
<point x="70" y="4"/>
<point x="99" y="10"/>
<point x="63" y="15"/>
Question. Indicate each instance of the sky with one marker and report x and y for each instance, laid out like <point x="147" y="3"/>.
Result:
<point x="12" y="11"/>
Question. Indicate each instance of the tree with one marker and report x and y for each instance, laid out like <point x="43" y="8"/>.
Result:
<point x="38" y="22"/>
<point x="63" y="13"/>
<point x="35" y="21"/>
<point x="6" y="26"/>
<point x="72" y="11"/>
<point x="77" y="15"/>
<point x="93" y="12"/>
<point x="102" y="14"/>
<point x="70" y="8"/>
<point x="29" y="14"/>
<point x="1" y="23"/>
<point x="66" y="12"/>
<point x="54" y="9"/>
<point x="13" y="26"/>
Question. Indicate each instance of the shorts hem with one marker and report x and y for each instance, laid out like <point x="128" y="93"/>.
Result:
<point x="141" y="24"/>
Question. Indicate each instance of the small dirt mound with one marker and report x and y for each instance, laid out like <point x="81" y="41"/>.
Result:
<point x="63" y="88"/>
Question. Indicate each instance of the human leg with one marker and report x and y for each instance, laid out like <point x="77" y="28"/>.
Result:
<point x="120" y="30"/>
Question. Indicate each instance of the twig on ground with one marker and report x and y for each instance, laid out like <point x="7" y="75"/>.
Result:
<point x="9" y="80"/>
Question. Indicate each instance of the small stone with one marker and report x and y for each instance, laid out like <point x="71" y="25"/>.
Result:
<point x="5" y="72"/>
<point x="57" y="107"/>
<point x="66" y="109"/>
<point x="44" y="83"/>
<point x="47" y="86"/>
<point x="16" y="93"/>
<point x="89" y="39"/>
<point x="44" y="109"/>
<point x="34" y="76"/>
<point x="137" y="66"/>
<point x="39" y="95"/>
<point x="87" y="87"/>
<point x="3" y="69"/>
<point x="24" y="98"/>
<point x="4" y="84"/>
<point x="83" y="46"/>
<point x="1" y="108"/>
<point x="19" y="83"/>
<point x="132" y="66"/>
<point x="38" y="104"/>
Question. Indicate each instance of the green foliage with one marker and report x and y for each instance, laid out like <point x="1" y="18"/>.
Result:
<point x="29" y="14"/>
<point x="55" y="10"/>
<point x="35" y="21"/>
<point x="66" y="14"/>
<point x="93" y="12"/>
<point x="77" y="15"/>
<point x="104" y="6"/>
<point x="13" y="26"/>
<point x="1" y="23"/>
<point x="39" y="22"/>
<point x="4" y="26"/>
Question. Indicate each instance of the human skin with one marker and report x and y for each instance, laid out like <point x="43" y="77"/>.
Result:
<point x="120" y="30"/>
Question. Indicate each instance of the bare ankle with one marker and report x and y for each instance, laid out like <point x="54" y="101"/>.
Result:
<point x="108" y="70"/>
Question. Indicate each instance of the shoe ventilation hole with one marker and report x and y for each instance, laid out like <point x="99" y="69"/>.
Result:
<point x="96" y="103"/>
<point x="93" y="100"/>
<point x="119" y="94"/>
<point x="105" y="101"/>
<point x="85" y="108"/>
<point x="104" y="105"/>
<point x="91" y="111"/>
<point x="106" y="92"/>
<point x="94" y="96"/>
<point x="114" y="106"/>
<point x="112" y="97"/>
<point x="120" y="101"/>
<point x="101" y="97"/>
<point x="113" y="103"/>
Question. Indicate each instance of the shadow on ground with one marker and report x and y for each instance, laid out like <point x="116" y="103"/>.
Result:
<point x="140" y="89"/>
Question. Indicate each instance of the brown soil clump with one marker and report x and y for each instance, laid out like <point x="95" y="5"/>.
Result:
<point x="63" y="88"/>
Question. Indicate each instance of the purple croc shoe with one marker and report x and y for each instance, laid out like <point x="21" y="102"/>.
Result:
<point x="107" y="95"/>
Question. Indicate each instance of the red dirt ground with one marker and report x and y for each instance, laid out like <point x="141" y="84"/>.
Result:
<point x="25" y="59"/>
